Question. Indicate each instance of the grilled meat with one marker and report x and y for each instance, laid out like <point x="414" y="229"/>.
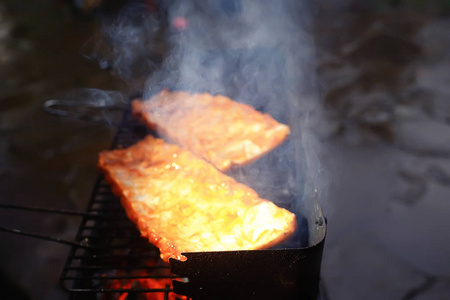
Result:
<point x="181" y="203"/>
<point x="222" y="131"/>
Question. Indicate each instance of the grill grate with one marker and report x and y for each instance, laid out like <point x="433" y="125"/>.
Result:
<point x="111" y="258"/>
<point x="115" y="256"/>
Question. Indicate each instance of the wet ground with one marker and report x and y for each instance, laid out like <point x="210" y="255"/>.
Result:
<point x="384" y="87"/>
<point x="386" y="141"/>
<point x="45" y="160"/>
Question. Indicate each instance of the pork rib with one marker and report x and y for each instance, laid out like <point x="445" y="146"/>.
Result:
<point x="182" y="203"/>
<point x="222" y="131"/>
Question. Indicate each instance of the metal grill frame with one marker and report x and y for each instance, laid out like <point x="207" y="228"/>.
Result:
<point x="114" y="250"/>
<point x="85" y="274"/>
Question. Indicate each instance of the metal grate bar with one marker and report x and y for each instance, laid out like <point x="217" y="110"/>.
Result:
<point x="135" y="290"/>
<point x="44" y="237"/>
<point x="125" y="277"/>
<point x="141" y="256"/>
<point x="91" y="214"/>
<point x="116" y="267"/>
<point x="121" y="254"/>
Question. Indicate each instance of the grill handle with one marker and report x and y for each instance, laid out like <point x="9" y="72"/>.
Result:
<point x="44" y="237"/>
<point x="50" y="210"/>
<point x="82" y="110"/>
<point x="83" y="244"/>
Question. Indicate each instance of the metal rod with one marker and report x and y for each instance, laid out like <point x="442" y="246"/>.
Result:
<point x="120" y="267"/>
<point x="121" y="290"/>
<point x="49" y="210"/>
<point x="130" y="277"/>
<point x="57" y="240"/>
<point x="68" y="108"/>
<point x="117" y="256"/>
<point x="54" y="210"/>
<point x="94" y="215"/>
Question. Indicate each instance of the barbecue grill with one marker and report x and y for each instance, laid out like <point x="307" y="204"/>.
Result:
<point x="111" y="257"/>
<point x="112" y="252"/>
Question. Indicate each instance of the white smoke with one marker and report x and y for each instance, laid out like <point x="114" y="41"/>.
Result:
<point x="256" y="52"/>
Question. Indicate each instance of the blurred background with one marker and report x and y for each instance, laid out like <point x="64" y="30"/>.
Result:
<point x="383" y="89"/>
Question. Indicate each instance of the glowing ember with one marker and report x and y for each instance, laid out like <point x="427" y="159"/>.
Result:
<point x="159" y="285"/>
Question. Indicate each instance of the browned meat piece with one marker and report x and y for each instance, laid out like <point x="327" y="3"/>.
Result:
<point x="222" y="131"/>
<point x="182" y="203"/>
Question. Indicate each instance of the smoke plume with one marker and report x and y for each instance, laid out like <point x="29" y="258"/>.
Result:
<point x="255" y="52"/>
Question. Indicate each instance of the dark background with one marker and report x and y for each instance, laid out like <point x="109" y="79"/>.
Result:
<point x="383" y="86"/>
